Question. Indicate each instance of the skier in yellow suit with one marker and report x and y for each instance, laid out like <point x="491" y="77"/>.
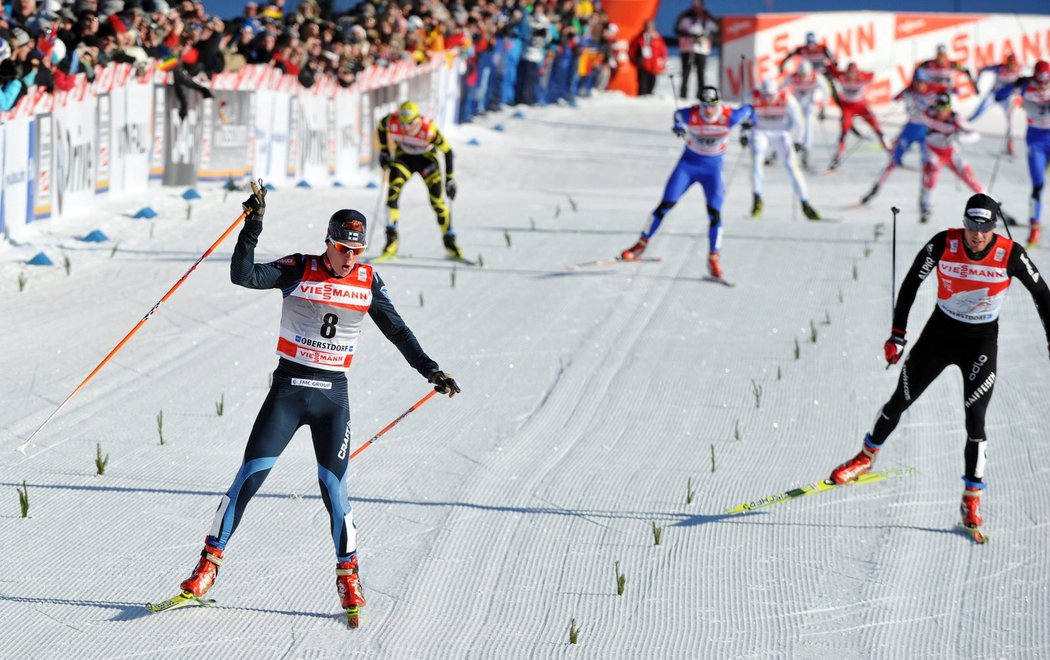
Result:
<point x="408" y="144"/>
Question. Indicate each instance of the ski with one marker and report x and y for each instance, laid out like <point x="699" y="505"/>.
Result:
<point x="353" y="616"/>
<point x="719" y="280"/>
<point x="615" y="260"/>
<point x="407" y="258"/>
<point x="818" y="487"/>
<point x="974" y="533"/>
<point x="184" y="599"/>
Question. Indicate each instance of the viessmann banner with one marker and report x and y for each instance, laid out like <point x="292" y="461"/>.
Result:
<point x="889" y="44"/>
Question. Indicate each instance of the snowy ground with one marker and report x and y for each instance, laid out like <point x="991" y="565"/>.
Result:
<point x="592" y="400"/>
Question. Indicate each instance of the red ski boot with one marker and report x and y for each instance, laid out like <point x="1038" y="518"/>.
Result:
<point x="1033" y="235"/>
<point x="858" y="465"/>
<point x="348" y="584"/>
<point x="971" y="504"/>
<point x="635" y="251"/>
<point x="204" y="575"/>
<point x="714" y="266"/>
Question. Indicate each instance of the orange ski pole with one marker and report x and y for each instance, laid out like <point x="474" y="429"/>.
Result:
<point x="127" y="337"/>
<point x="391" y="424"/>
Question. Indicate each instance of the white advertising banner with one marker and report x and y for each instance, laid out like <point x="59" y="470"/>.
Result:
<point x="132" y="139"/>
<point x="16" y="174"/>
<point x="886" y="43"/>
<point x="348" y="135"/>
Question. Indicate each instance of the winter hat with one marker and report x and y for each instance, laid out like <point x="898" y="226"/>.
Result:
<point x="118" y="25"/>
<point x="19" y="37"/>
<point x="980" y="214"/>
<point x="347" y="226"/>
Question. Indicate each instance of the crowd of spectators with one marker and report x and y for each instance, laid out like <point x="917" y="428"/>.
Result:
<point x="514" y="51"/>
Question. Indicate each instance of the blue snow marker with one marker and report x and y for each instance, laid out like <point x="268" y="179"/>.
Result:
<point x="145" y="213"/>
<point x="95" y="236"/>
<point x="40" y="259"/>
<point x="338" y="184"/>
<point x="371" y="185"/>
<point x="270" y="186"/>
<point x="518" y="114"/>
<point x="303" y="184"/>
<point x="499" y="128"/>
<point x="474" y="142"/>
<point x="191" y="194"/>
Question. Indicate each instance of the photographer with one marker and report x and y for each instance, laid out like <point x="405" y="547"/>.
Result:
<point x="696" y="30"/>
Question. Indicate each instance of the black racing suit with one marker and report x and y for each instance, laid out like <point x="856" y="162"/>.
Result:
<point x="403" y="165"/>
<point x="304" y="395"/>
<point x="972" y="347"/>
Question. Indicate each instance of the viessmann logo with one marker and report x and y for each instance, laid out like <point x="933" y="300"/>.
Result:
<point x="329" y="292"/>
<point x="907" y="27"/>
<point x="739" y="28"/>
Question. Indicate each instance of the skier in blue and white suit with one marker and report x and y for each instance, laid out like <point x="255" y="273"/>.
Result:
<point x="705" y="128"/>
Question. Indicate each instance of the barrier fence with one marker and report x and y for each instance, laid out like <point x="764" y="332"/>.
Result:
<point x="65" y="153"/>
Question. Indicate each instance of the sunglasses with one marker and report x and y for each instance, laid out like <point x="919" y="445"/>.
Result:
<point x="347" y="249"/>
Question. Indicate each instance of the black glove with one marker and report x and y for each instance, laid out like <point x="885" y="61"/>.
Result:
<point x="384" y="159"/>
<point x="450" y="187"/>
<point x="745" y="138"/>
<point x="799" y="148"/>
<point x="444" y="383"/>
<point x="183" y="111"/>
<point x="206" y="93"/>
<point x="255" y="206"/>
<point x="679" y="131"/>
<point x="894" y="346"/>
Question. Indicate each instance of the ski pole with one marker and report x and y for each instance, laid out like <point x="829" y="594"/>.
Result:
<point x="392" y="424"/>
<point x="893" y="270"/>
<point x="893" y="265"/>
<point x="127" y="337"/>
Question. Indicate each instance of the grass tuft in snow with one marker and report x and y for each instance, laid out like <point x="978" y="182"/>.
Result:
<point x="532" y="223"/>
<point x="574" y="632"/>
<point x="690" y="492"/>
<point x="22" y="279"/>
<point x="420" y="298"/>
<point x="855" y="272"/>
<point x="572" y="203"/>
<point x="827" y="317"/>
<point x="23" y="501"/>
<point x="160" y="426"/>
<point x="756" y="390"/>
<point x="481" y="262"/>
<point x="113" y="252"/>
<point x="220" y="405"/>
<point x="657" y="533"/>
<point x="798" y="350"/>
<point x="712" y="457"/>
<point x="812" y="332"/>
<point x="779" y="374"/>
<point x="506" y="237"/>
<point x="867" y="250"/>
<point x="100" y="461"/>
<point x="452" y="275"/>
<point x="621" y="580"/>
<point x="66" y="264"/>
<point x="841" y="298"/>
<point x="738" y="434"/>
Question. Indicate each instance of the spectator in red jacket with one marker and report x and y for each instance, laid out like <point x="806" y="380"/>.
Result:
<point x="649" y="56"/>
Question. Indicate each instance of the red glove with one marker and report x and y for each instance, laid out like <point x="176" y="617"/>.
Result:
<point x="894" y="346"/>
